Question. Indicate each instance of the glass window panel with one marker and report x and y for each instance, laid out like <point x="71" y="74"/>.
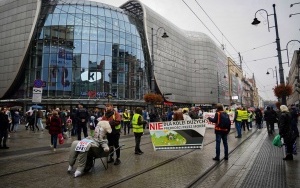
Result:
<point x="120" y="16"/>
<point x="93" y="59"/>
<point x="128" y="38"/>
<point x="46" y="47"/>
<point x="108" y="34"/>
<point x="108" y="49"/>
<point x="125" y="18"/>
<point x="84" y="63"/>
<point x="94" y="21"/>
<point x="128" y="49"/>
<point x="108" y="23"/>
<point x="122" y="51"/>
<point x="107" y="12"/>
<point x="71" y="19"/>
<point x="79" y="9"/>
<point x="94" y="11"/>
<point x="70" y="33"/>
<point x="133" y="39"/>
<point x="65" y="9"/>
<point x="48" y="20"/>
<point x="93" y="33"/>
<point x="101" y="34"/>
<point x="93" y="47"/>
<point x="78" y="19"/>
<point x="72" y="9"/>
<point x="101" y="48"/>
<point x="127" y="27"/>
<point x="114" y="14"/>
<point x="86" y="33"/>
<point x="121" y="26"/>
<point x="101" y="22"/>
<point x="46" y="32"/>
<point x="101" y="12"/>
<point x="133" y="29"/>
<point x="87" y="9"/>
<point x="85" y="46"/>
<point x="55" y="19"/>
<point x="122" y="38"/>
<point x="116" y="24"/>
<point x="77" y="46"/>
<point x="62" y="32"/>
<point x="57" y="9"/>
<point x="63" y="19"/>
<point x="116" y="37"/>
<point x="77" y="32"/>
<point x="87" y="20"/>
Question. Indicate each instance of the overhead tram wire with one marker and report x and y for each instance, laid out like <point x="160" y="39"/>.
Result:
<point x="216" y="26"/>
<point x="258" y="47"/>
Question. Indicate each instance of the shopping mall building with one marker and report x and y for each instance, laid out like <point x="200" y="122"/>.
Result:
<point x="79" y="50"/>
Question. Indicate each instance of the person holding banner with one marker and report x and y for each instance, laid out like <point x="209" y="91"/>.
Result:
<point x="138" y="123"/>
<point x="220" y="133"/>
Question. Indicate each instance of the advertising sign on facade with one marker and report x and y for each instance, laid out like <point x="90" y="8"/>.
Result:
<point x="176" y="135"/>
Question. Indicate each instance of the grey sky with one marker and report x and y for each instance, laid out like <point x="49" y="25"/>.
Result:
<point x="233" y="18"/>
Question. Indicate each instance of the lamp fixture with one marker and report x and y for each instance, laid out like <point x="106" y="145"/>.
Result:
<point x="255" y="21"/>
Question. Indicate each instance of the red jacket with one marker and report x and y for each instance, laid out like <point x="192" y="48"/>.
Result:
<point x="55" y="125"/>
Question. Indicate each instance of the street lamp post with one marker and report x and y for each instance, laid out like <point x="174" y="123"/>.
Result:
<point x="287" y="50"/>
<point x="273" y="74"/>
<point x="281" y="73"/>
<point x="152" y="55"/>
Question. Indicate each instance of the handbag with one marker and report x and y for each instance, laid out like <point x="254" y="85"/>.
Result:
<point x="60" y="138"/>
<point x="277" y="141"/>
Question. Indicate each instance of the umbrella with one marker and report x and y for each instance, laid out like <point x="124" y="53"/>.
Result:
<point x="101" y="106"/>
<point x="16" y="107"/>
<point x="36" y="107"/>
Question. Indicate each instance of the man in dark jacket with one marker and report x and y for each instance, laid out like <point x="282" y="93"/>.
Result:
<point x="220" y="134"/>
<point x="270" y="117"/>
<point x="4" y="125"/>
<point x="294" y="119"/>
<point x="82" y="117"/>
<point x="193" y="113"/>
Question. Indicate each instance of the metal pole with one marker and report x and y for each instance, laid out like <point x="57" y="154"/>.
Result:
<point x="281" y="73"/>
<point x="152" y="64"/>
<point x="218" y="87"/>
<point x="276" y="75"/>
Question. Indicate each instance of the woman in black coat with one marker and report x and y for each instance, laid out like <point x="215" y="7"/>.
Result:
<point x="285" y="131"/>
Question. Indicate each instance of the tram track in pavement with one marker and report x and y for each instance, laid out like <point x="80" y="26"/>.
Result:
<point x="130" y="176"/>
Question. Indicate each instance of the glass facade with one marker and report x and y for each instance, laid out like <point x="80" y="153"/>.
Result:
<point x="87" y="51"/>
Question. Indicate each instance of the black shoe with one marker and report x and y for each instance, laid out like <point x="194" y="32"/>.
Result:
<point x="117" y="162"/>
<point x="5" y="147"/>
<point x="226" y="158"/>
<point x="111" y="160"/>
<point x="141" y="152"/>
<point x="238" y="137"/>
<point x="138" y="153"/>
<point x="288" y="157"/>
<point x="216" y="159"/>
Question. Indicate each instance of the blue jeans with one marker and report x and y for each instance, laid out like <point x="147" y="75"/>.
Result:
<point x="40" y="123"/>
<point x="222" y="136"/>
<point x="238" y="125"/>
<point x="54" y="140"/>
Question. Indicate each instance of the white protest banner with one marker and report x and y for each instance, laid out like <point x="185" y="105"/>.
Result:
<point x="175" y="135"/>
<point x="209" y="124"/>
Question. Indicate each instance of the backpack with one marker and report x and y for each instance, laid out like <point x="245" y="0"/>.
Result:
<point x="224" y="121"/>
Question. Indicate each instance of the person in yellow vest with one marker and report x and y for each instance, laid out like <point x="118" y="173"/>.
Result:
<point x="114" y="119"/>
<point x="126" y="121"/>
<point x="245" y="119"/>
<point x="238" y="122"/>
<point x="137" y="127"/>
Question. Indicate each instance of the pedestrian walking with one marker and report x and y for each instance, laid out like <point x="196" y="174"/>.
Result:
<point x="286" y="132"/>
<point x="221" y="133"/>
<point x="4" y="126"/>
<point x="15" y="121"/>
<point x="39" y="119"/>
<point x="82" y="117"/>
<point x="54" y="129"/>
<point x="294" y="116"/>
<point x="258" y="118"/>
<point x="138" y="123"/>
<point x="126" y="121"/>
<point x="245" y="119"/>
<point x="114" y="119"/>
<point x="238" y="122"/>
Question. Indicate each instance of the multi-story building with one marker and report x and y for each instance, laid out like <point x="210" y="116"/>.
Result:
<point x="294" y="80"/>
<point x="235" y="74"/>
<point x="93" y="52"/>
